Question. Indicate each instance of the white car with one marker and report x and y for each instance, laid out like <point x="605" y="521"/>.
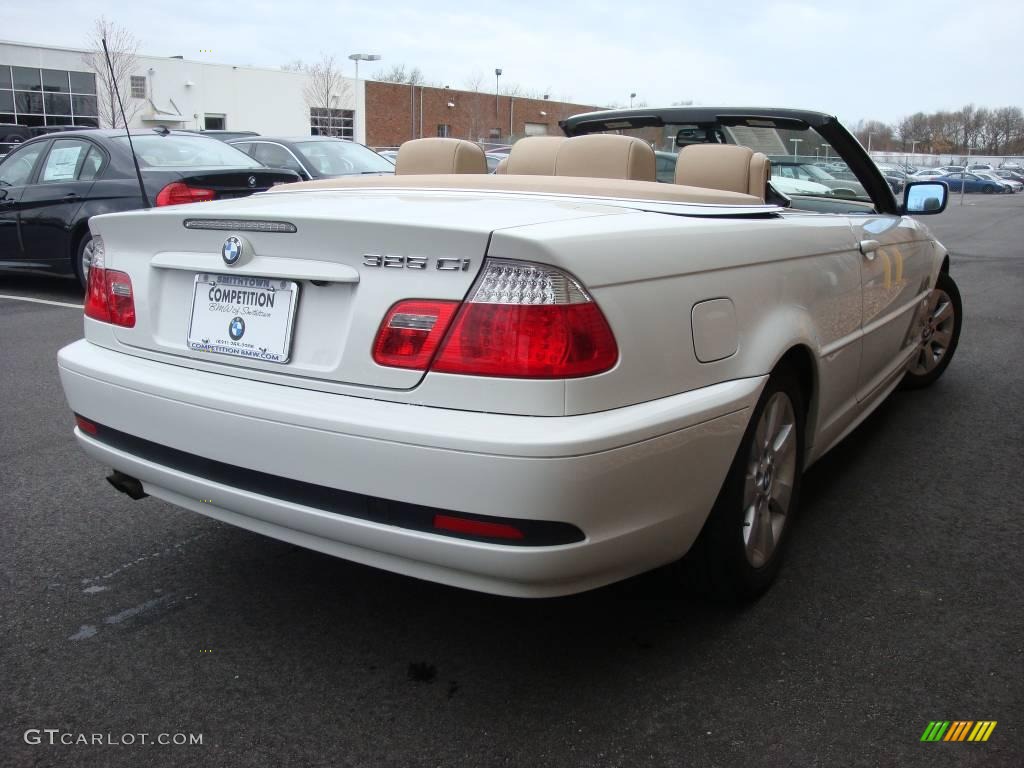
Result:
<point x="529" y="383"/>
<point x="791" y="186"/>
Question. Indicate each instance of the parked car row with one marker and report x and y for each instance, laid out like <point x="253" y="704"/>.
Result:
<point x="52" y="183"/>
<point x="974" y="179"/>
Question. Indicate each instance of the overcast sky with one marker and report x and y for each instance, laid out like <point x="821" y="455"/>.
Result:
<point x="862" y="59"/>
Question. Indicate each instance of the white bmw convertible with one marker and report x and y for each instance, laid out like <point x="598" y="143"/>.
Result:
<point x="533" y="382"/>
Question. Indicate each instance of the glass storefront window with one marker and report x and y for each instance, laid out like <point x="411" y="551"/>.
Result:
<point x="84" y="105"/>
<point x="83" y="82"/>
<point x="26" y="79"/>
<point x="55" y="81"/>
<point x="57" y="103"/>
<point x="28" y="103"/>
<point x="36" y="97"/>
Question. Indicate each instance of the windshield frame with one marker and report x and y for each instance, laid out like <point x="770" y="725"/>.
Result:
<point x="827" y="126"/>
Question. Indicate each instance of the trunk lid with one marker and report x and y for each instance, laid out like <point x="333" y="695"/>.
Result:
<point x="351" y="256"/>
<point x="226" y="183"/>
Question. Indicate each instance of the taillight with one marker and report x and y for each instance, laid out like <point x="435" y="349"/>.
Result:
<point x="411" y="333"/>
<point x="526" y="320"/>
<point x="108" y="296"/>
<point x="178" y="192"/>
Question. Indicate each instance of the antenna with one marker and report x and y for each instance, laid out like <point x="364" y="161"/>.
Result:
<point x="113" y="81"/>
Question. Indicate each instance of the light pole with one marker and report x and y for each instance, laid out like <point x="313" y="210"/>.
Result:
<point x="796" y="142"/>
<point x="357" y="57"/>
<point x="497" y="88"/>
<point x="631" y="97"/>
<point x="869" y="142"/>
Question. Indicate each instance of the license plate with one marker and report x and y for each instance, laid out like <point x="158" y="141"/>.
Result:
<point x="243" y="316"/>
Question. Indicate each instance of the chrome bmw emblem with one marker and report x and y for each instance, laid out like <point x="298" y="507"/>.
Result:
<point x="231" y="251"/>
<point x="236" y="328"/>
<point x="252" y="181"/>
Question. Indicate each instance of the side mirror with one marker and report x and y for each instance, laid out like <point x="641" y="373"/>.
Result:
<point x="923" y="198"/>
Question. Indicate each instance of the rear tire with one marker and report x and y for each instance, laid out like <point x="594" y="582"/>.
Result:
<point x="988" y="189"/>
<point x="83" y="259"/>
<point x="940" y="334"/>
<point x="740" y="549"/>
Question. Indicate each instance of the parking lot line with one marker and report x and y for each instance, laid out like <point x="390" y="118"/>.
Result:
<point x="41" y="301"/>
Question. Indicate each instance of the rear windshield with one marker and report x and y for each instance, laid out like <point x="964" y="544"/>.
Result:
<point x="342" y="158"/>
<point x="186" y="152"/>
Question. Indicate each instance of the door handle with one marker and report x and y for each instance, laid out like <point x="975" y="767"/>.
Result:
<point x="868" y="248"/>
<point x="71" y="196"/>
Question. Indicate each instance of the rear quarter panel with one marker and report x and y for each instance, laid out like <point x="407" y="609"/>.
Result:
<point x="793" y="281"/>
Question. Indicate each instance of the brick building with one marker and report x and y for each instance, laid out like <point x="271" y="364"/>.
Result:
<point x="397" y="112"/>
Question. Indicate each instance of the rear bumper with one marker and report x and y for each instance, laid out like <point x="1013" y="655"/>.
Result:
<point x="637" y="481"/>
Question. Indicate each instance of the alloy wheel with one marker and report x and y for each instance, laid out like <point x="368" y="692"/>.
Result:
<point x="770" y="477"/>
<point x="87" y="254"/>
<point x="937" y="333"/>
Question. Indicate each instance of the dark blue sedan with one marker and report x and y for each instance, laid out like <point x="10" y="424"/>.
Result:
<point x="971" y="183"/>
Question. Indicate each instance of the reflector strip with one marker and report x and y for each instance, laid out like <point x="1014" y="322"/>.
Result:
<point x="85" y="425"/>
<point x="476" y="527"/>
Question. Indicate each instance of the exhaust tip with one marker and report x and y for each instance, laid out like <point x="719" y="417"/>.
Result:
<point x="127" y="485"/>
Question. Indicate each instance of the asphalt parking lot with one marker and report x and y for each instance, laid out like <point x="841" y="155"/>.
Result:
<point x="901" y="602"/>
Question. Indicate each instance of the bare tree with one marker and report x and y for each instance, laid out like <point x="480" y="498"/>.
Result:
<point x="295" y="65"/>
<point x="475" y="112"/>
<point x="1009" y="123"/>
<point x="326" y="88"/>
<point x="124" y="49"/>
<point x="874" y="134"/>
<point x="399" y="74"/>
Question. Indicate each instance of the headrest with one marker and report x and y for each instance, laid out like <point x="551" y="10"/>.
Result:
<point x="606" y="156"/>
<point x="724" y="166"/>
<point x="421" y="156"/>
<point x="502" y="166"/>
<point x="534" y="155"/>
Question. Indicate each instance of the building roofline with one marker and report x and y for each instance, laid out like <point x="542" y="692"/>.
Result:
<point x="140" y="55"/>
<point x="445" y="89"/>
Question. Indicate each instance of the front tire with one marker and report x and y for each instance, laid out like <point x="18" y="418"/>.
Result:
<point x="940" y="334"/>
<point x="740" y="549"/>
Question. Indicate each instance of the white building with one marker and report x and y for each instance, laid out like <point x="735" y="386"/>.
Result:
<point x="44" y="85"/>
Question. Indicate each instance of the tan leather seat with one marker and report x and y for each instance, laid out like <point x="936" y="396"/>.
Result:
<point x="606" y="156"/>
<point x="423" y="156"/>
<point x="724" y="166"/>
<point x="533" y="156"/>
<point x="502" y="165"/>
